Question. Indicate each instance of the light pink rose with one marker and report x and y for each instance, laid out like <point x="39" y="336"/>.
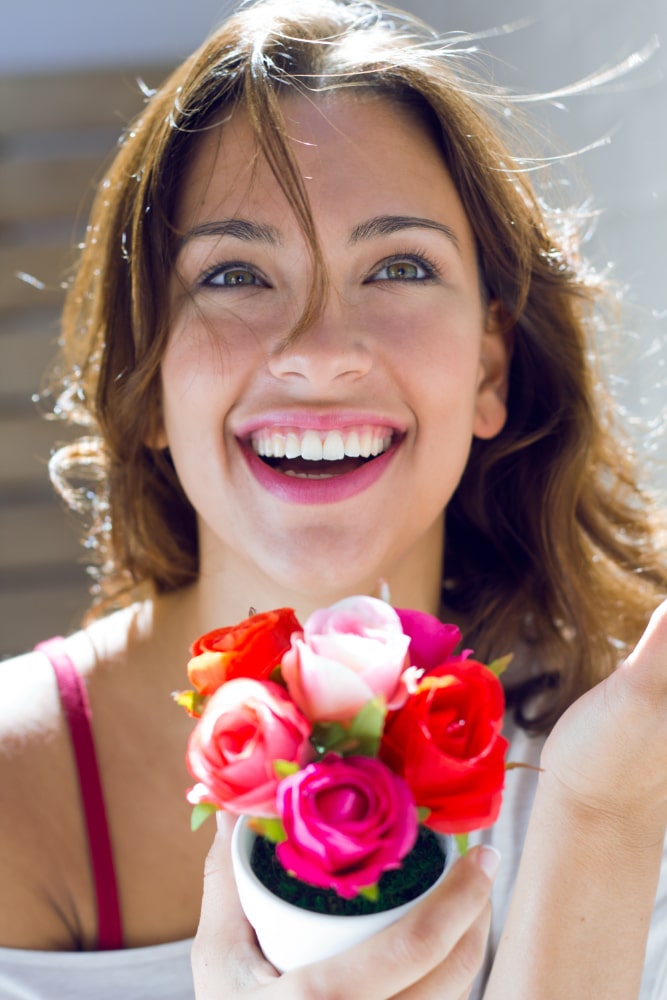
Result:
<point x="348" y="654"/>
<point x="347" y="820"/>
<point x="246" y="726"/>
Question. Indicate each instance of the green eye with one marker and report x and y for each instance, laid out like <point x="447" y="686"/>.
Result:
<point x="234" y="277"/>
<point x="402" y="270"/>
<point x="405" y="267"/>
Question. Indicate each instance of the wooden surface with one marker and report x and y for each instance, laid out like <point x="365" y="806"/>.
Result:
<point x="56" y="133"/>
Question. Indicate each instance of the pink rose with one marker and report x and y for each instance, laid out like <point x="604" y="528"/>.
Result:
<point x="348" y="654"/>
<point x="246" y="726"/>
<point x="347" y="820"/>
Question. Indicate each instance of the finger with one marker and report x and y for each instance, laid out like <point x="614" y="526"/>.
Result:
<point x="458" y="971"/>
<point x="225" y="949"/>
<point x="648" y="660"/>
<point x="410" y="949"/>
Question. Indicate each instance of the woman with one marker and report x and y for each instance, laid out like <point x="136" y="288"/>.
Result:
<point x="314" y="233"/>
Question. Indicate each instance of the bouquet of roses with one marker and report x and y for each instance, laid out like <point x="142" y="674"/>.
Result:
<point x="341" y="736"/>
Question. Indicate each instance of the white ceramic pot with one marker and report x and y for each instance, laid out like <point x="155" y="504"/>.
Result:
<point x="290" y="936"/>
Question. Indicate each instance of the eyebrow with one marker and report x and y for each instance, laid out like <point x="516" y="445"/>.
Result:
<point x="385" y="225"/>
<point x="380" y="225"/>
<point x="241" y="229"/>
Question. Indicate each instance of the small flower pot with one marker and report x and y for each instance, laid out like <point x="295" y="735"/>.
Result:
<point x="290" y="935"/>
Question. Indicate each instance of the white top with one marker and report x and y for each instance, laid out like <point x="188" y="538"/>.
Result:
<point x="164" y="970"/>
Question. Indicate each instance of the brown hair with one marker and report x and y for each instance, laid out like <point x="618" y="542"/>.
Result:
<point x="548" y="538"/>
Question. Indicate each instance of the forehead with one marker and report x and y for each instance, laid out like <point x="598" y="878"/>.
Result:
<point x="357" y="155"/>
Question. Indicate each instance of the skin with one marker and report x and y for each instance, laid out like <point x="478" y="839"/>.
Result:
<point x="373" y="350"/>
<point x="376" y="345"/>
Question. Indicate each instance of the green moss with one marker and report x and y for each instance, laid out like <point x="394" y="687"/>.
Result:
<point x="420" y="868"/>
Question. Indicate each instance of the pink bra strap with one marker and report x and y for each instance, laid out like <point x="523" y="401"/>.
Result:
<point x="76" y="708"/>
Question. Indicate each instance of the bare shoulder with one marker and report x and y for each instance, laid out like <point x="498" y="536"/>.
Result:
<point x="37" y="789"/>
<point x="47" y="900"/>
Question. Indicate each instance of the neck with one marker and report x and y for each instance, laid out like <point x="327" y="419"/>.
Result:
<point x="230" y="591"/>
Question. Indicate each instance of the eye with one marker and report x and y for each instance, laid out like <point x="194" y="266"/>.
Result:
<point x="232" y="276"/>
<point x="406" y="267"/>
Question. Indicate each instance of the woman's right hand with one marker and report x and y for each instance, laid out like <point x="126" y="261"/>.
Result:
<point x="435" y="950"/>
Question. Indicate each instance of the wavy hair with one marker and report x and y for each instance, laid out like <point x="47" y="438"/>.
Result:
<point x="549" y="539"/>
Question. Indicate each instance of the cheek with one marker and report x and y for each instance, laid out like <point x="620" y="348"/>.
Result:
<point x="202" y="373"/>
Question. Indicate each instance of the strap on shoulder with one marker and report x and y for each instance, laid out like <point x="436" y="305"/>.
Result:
<point x="76" y="708"/>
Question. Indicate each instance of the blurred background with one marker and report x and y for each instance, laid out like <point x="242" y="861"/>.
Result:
<point x="68" y="86"/>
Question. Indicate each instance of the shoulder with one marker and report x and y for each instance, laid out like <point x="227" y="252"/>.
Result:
<point x="38" y="787"/>
<point x="34" y="735"/>
<point x="47" y="896"/>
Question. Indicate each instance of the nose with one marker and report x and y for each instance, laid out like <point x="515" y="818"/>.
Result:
<point x="332" y="349"/>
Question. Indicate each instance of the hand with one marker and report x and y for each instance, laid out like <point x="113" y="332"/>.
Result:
<point x="608" y="753"/>
<point x="433" y="951"/>
<point x="593" y="851"/>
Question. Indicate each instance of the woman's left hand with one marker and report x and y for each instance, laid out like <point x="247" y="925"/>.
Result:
<point x="591" y="859"/>
<point x="608" y="753"/>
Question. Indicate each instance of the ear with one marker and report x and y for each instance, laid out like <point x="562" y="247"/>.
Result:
<point x="157" y="440"/>
<point x="495" y="355"/>
<point x="155" y="437"/>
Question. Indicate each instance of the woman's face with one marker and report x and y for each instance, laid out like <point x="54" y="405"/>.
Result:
<point x="326" y="461"/>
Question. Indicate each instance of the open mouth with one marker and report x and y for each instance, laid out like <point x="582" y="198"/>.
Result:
<point x="313" y="454"/>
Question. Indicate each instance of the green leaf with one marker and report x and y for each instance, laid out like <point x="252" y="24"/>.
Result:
<point x="423" y="813"/>
<point x="461" y="841"/>
<point x="367" y="725"/>
<point x="283" y="768"/>
<point x="329" y="737"/>
<point x="200" y="813"/>
<point x="370" y="892"/>
<point x="193" y="702"/>
<point x="277" y="675"/>
<point x="500" y="665"/>
<point x="269" y="827"/>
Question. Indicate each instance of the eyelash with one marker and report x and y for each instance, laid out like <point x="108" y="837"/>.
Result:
<point x="220" y="270"/>
<point x="419" y="259"/>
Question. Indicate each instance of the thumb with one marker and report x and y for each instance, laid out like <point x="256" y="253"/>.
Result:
<point x="646" y="665"/>
<point x="224" y="950"/>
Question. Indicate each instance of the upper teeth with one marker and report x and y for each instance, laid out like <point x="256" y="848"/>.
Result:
<point x="355" y="442"/>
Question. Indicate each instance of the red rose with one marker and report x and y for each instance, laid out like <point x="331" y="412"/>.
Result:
<point x="446" y="743"/>
<point x="253" y="648"/>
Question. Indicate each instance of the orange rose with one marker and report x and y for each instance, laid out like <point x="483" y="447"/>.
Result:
<point x="253" y="648"/>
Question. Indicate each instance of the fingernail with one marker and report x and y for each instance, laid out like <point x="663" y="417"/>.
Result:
<point x="488" y="859"/>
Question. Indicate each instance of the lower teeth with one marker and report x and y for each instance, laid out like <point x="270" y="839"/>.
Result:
<point x="308" y="475"/>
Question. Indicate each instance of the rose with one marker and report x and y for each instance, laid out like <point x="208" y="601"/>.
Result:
<point x="347" y="655"/>
<point x="253" y="648"/>
<point x="445" y="741"/>
<point x="431" y="642"/>
<point x="347" y="820"/>
<point x="246" y="726"/>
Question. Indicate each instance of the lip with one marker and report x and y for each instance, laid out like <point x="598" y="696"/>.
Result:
<point x="293" y="490"/>
<point x="311" y="420"/>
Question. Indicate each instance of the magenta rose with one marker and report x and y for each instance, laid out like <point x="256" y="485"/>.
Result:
<point x="246" y="726"/>
<point x="347" y="655"/>
<point x="347" y="820"/>
<point x="431" y="641"/>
